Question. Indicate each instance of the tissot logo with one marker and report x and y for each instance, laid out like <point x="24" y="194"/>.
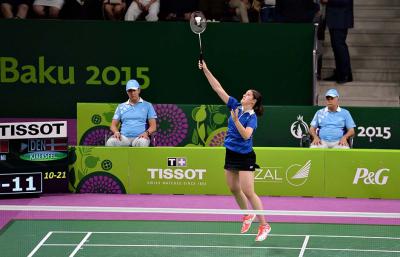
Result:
<point x="20" y="130"/>
<point x="176" y="162"/>
<point x="177" y="173"/>
<point x="371" y="178"/>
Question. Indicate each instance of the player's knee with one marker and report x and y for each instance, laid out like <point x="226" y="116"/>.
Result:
<point x="235" y="190"/>
<point x="250" y="194"/>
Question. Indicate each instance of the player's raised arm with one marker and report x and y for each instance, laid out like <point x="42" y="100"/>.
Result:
<point x="216" y="86"/>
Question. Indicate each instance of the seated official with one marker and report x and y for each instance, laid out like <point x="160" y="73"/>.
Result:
<point x="137" y="7"/>
<point x="114" y="9"/>
<point x="134" y="115"/>
<point x="334" y="124"/>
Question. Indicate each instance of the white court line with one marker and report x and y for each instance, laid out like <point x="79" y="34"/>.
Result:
<point x="304" y="246"/>
<point x="80" y="244"/>
<point x="183" y="246"/>
<point x="72" y="245"/>
<point x="199" y="211"/>
<point x="222" y="234"/>
<point x="230" y="247"/>
<point x="302" y="249"/>
<point x="354" y="250"/>
<point x="40" y="244"/>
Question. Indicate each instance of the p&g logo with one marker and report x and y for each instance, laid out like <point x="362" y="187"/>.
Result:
<point x="371" y="178"/>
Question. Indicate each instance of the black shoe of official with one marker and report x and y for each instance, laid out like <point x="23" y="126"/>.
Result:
<point x="345" y="79"/>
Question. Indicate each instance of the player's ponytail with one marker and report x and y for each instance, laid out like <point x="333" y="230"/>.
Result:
<point x="258" y="106"/>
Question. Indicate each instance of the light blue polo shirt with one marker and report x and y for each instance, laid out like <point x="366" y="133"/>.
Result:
<point x="331" y="124"/>
<point x="133" y="118"/>
<point x="233" y="140"/>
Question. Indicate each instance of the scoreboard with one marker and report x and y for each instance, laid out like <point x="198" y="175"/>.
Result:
<point x="33" y="158"/>
<point x="21" y="183"/>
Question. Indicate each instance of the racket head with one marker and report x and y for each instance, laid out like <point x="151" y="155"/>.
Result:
<point x="198" y="22"/>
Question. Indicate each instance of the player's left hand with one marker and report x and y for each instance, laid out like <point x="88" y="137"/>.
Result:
<point x="234" y="114"/>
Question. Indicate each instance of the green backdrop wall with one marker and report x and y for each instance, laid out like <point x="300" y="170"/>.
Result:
<point x="58" y="63"/>
<point x="205" y="125"/>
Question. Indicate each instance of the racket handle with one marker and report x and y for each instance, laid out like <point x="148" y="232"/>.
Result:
<point x="201" y="58"/>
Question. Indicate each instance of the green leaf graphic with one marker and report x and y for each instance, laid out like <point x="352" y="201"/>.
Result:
<point x="209" y="130"/>
<point x="194" y="111"/>
<point x="80" y="175"/>
<point x="202" y="132"/>
<point x="91" y="161"/>
<point x="201" y="115"/>
<point x="219" y="118"/>
<point x="195" y="137"/>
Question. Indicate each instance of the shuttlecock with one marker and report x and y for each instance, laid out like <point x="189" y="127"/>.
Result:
<point x="198" y="20"/>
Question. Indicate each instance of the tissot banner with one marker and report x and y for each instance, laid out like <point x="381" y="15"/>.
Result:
<point x="193" y="170"/>
<point x="199" y="170"/>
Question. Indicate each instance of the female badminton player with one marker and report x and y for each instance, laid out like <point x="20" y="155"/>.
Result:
<point x="240" y="159"/>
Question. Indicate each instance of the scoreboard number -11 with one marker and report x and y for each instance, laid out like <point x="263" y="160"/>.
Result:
<point x="20" y="183"/>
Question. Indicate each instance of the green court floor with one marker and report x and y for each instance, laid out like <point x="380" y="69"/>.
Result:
<point x="59" y="238"/>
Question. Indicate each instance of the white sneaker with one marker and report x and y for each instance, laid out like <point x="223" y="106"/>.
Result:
<point x="247" y="220"/>
<point x="263" y="231"/>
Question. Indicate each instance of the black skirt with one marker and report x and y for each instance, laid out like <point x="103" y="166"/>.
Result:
<point x="237" y="161"/>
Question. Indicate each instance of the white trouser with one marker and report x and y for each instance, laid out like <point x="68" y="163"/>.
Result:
<point x="125" y="141"/>
<point x="134" y="11"/>
<point x="326" y="144"/>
